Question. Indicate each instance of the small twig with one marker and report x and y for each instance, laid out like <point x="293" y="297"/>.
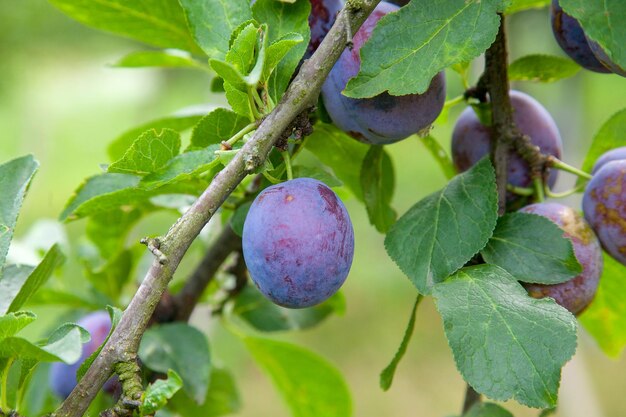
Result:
<point x="471" y="397"/>
<point x="154" y="245"/>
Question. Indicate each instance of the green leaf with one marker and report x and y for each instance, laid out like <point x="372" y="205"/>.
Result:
<point x="498" y="333"/>
<point x="340" y="153"/>
<point x="110" y="277"/>
<point x="182" y="167"/>
<point x="266" y="316"/>
<point x="241" y="54"/>
<point x="386" y="376"/>
<point x="120" y="145"/>
<point x="230" y="74"/>
<point x="487" y="410"/>
<point x="50" y="296"/>
<point x="64" y="345"/>
<point x="12" y="323"/>
<point x="425" y="35"/>
<point x="532" y="249"/>
<point x="605" y="318"/>
<point x="301" y="171"/>
<point x="239" y="217"/>
<point x="378" y="182"/>
<point x="165" y="59"/>
<point x="602" y="22"/>
<point x="283" y="19"/>
<point x="155" y="22"/>
<point x="159" y="392"/>
<point x="15" y="177"/>
<point x="106" y="188"/>
<point x="521" y="5"/>
<point x="542" y="68"/>
<point x="238" y="101"/>
<point x="108" y="230"/>
<point x="16" y="286"/>
<point x="440" y="233"/>
<point x="161" y="350"/>
<point x="277" y="51"/>
<point x="308" y="383"/>
<point x="212" y="22"/>
<point x="222" y="398"/>
<point x="610" y="136"/>
<point x="217" y="126"/>
<point x="151" y="151"/>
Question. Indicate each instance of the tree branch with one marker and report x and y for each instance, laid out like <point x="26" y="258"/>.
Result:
<point x="303" y="92"/>
<point x="185" y="301"/>
<point x="503" y="124"/>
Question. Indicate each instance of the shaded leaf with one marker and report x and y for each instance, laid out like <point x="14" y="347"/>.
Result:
<point x="378" y="182"/>
<point x="222" y="398"/>
<point x="212" y="22"/>
<point x="610" y="136"/>
<point x="118" y="147"/>
<point x="151" y="151"/>
<point x="532" y="249"/>
<point x="605" y="318"/>
<point x="265" y="316"/>
<point x="498" y="333"/>
<point x="426" y="35"/>
<point x="155" y="22"/>
<point x="340" y="153"/>
<point x="159" y="392"/>
<point x="386" y="376"/>
<point x="15" y="177"/>
<point x="18" y="284"/>
<point x="542" y="68"/>
<point x="217" y="126"/>
<point x="440" y="233"/>
<point x="309" y="384"/>
<point x="161" y="350"/>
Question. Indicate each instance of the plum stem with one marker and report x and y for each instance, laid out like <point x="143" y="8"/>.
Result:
<point x="300" y="96"/>
<point x="454" y="101"/>
<point x="577" y="189"/>
<point x="440" y="155"/>
<point x="558" y="164"/>
<point x="235" y="138"/>
<point x="539" y="187"/>
<point x="287" y="160"/>
<point x="471" y="397"/>
<point x="523" y="191"/>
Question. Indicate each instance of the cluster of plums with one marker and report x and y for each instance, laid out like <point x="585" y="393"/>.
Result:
<point x="575" y="43"/>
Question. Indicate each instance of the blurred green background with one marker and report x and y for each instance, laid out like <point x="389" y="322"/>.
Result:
<point x="62" y="101"/>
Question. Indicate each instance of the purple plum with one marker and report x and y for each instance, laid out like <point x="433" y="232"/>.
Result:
<point x="471" y="140"/>
<point x="604" y="204"/>
<point x="321" y="19"/>
<point x="298" y="243"/>
<point x="577" y="293"/>
<point x="571" y="38"/>
<point x="602" y="56"/>
<point x="616" y="154"/>
<point x="382" y="119"/>
<point x="62" y="376"/>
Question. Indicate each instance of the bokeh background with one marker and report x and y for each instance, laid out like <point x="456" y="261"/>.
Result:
<point x="61" y="100"/>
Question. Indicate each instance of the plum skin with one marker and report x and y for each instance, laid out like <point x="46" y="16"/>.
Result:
<point x="602" y="56"/>
<point x="298" y="243"/>
<point x="471" y="140"/>
<point x="382" y="119"/>
<point x="604" y="205"/>
<point x="572" y="40"/>
<point x="577" y="293"/>
<point x="616" y="154"/>
<point x="62" y="377"/>
<point x="321" y="19"/>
